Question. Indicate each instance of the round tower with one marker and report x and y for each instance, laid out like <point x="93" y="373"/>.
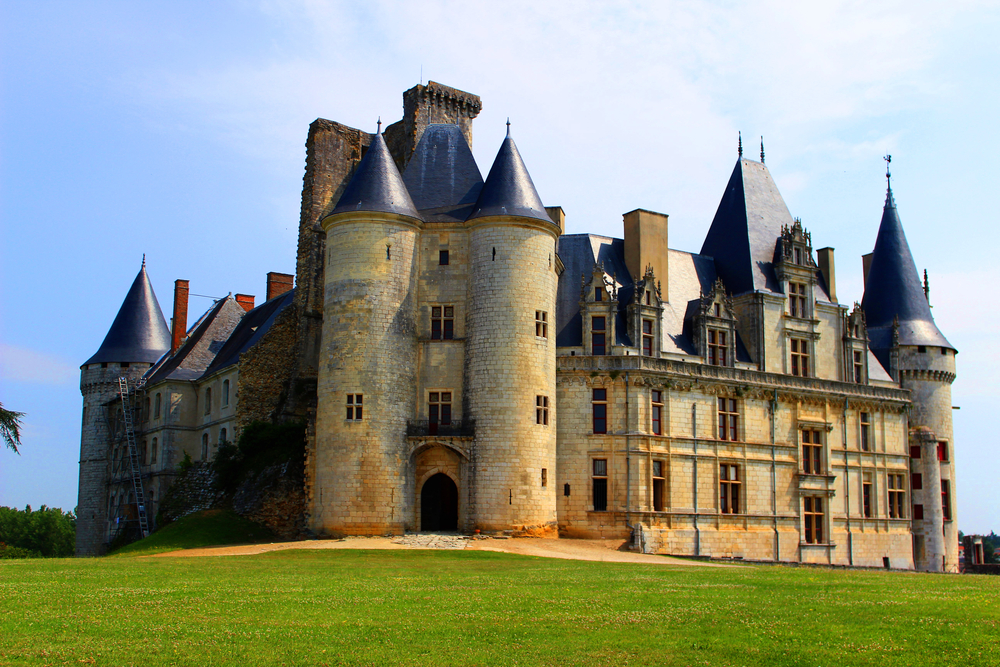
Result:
<point x="368" y="356"/>
<point x="137" y="339"/>
<point x="903" y="336"/>
<point x="510" y="374"/>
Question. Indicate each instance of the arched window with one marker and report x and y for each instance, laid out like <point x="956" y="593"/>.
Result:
<point x="145" y="415"/>
<point x="222" y="436"/>
<point x="225" y="393"/>
<point x="204" y="446"/>
<point x="142" y="454"/>
<point x="208" y="400"/>
<point x="152" y="453"/>
<point x="156" y="407"/>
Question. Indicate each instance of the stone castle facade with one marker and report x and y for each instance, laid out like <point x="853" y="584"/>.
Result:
<point x="464" y="364"/>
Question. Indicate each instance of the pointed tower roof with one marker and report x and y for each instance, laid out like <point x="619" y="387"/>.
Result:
<point x="893" y="291"/>
<point x="508" y="189"/>
<point x="377" y="185"/>
<point x="745" y="230"/>
<point x="139" y="332"/>
<point x="442" y="176"/>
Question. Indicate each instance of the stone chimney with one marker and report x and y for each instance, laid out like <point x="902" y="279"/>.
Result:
<point x="178" y="324"/>
<point x="246" y="301"/>
<point x="824" y="257"/>
<point x="278" y="284"/>
<point x="558" y="216"/>
<point x="646" y="245"/>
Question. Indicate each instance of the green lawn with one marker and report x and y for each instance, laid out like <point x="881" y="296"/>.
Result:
<point x="468" y="607"/>
<point x="203" y="529"/>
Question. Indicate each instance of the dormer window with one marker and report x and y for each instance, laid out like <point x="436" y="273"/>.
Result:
<point x="797" y="300"/>
<point x="648" y="298"/>
<point x="647" y="338"/>
<point x="798" y="256"/>
<point x="597" y="336"/>
<point x="598" y="294"/>
<point x="717" y="347"/>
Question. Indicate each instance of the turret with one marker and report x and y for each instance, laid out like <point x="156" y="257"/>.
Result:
<point x="510" y="378"/>
<point x="368" y="357"/>
<point x="903" y="337"/>
<point x="138" y="337"/>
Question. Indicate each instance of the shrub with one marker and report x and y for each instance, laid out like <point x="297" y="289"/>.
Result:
<point x="260" y="445"/>
<point x="48" y="532"/>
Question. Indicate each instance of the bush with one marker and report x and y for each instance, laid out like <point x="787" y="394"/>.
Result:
<point x="48" y="532"/>
<point x="260" y="446"/>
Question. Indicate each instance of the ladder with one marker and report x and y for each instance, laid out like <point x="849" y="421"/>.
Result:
<point x="133" y="455"/>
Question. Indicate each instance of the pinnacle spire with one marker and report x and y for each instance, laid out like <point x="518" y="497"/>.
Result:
<point x="762" y="149"/>
<point x="740" y="148"/>
<point x="377" y="185"/>
<point x="508" y="189"/>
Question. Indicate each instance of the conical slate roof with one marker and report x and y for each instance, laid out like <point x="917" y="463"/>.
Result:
<point x="508" y="189"/>
<point x="139" y="333"/>
<point x="442" y="172"/>
<point x="377" y="185"/>
<point x="893" y="290"/>
<point x="746" y="228"/>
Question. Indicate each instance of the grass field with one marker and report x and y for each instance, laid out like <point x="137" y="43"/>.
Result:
<point x="202" y="529"/>
<point x="474" y="607"/>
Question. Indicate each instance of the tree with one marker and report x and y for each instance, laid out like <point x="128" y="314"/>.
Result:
<point x="10" y="427"/>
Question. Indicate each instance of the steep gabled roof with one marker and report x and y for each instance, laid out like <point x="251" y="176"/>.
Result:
<point x="205" y="339"/>
<point x="377" y="185"/>
<point x="508" y="189"/>
<point x="251" y="329"/>
<point x="442" y="176"/>
<point x="746" y="228"/>
<point x="139" y="332"/>
<point x="893" y="291"/>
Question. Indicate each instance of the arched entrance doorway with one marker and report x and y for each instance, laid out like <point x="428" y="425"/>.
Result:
<point x="439" y="504"/>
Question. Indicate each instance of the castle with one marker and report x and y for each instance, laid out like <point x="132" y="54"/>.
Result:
<point x="462" y="363"/>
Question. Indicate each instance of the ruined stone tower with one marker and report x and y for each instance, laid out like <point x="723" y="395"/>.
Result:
<point x="137" y="338"/>
<point x="906" y="341"/>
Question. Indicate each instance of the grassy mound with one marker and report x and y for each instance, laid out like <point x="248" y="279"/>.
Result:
<point x="210" y="528"/>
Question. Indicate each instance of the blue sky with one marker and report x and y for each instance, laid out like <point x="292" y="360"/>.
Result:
<point x="178" y="129"/>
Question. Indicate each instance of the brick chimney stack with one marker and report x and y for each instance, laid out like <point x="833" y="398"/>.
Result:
<point x="246" y="301"/>
<point x="278" y="284"/>
<point x="178" y="324"/>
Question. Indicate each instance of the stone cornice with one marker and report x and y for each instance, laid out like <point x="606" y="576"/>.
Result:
<point x="927" y="375"/>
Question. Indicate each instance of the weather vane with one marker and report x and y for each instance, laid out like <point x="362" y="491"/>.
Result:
<point x="888" y="159"/>
<point x="741" y="144"/>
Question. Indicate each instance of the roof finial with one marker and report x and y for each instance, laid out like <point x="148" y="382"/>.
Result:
<point x="927" y="288"/>
<point x="762" y="149"/>
<point x="379" y="130"/>
<point x="741" y="144"/>
<point x="144" y="261"/>
<point x="508" y="126"/>
<point x="888" y="159"/>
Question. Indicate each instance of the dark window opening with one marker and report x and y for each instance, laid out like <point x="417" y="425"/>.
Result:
<point x="600" y="484"/>
<point x="442" y="322"/>
<point x="600" y="408"/>
<point x="597" y="336"/>
<point x="443" y="257"/>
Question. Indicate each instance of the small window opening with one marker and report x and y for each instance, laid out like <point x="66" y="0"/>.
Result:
<point x="545" y="477"/>
<point x="388" y="252"/>
<point x="443" y="257"/>
<point x="494" y="254"/>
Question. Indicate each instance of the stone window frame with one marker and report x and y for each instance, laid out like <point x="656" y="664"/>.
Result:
<point x="717" y="347"/>
<point x="223" y="435"/>
<point x="154" y="452"/>
<point x="208" y="400"/>
<point x="443" y="322"/>
<point x="896" y="483"/>
<point x="204" y="446"/>
<point x="798" y="301"/>
<point x="728" y="411"/>
<point x="658" y="488"/>
<point x="730" y="488"/>
<point x="541" y="324"/>
<point x="225" y="393"/>
<point x="444" y="258"/>
<point x="946" y="504"/>
<point x="806" y="340"/>
<point x="599" y="410"/>
<point x="599" y="480"/>
<point x="866" y="440"/>
<point x="355" y="407"/>
<point x="542" y="410"/>
<point x="602" y="332"/>
<point x="441" y="402"/>
<point x="858" y="365"/>
<point x="813" y="452"/>
<point x="814" y="520"/>
<point x="867" y="495"/>
<point x="157" y="405"/>
<point x="648" y="335"/>
<point x="656" y="410"/>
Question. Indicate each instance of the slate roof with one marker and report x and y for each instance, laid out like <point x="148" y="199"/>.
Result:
<point x="442" y="176"/>
<point x="205" y="340"/>
<point x="377" y="185"/>
<point x="744" y="234"/>
<point x="139" y="332"/>
<point x="893" y="290"/>
<point x="508" y="189"/>
<point x="251" y="329"/>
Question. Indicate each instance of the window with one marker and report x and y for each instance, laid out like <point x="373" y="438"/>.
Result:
<point x="443" y="257"/>
<point x="812" y="452"/>
<point x="918" y="512"/>
<point x="442" y="322"/>
<point x="223" y="436"/>
<point x="946" y="499"/>
<point x="800" y="357"/>
<point x="146" y="413"/>
<point x="600" y="405"/>
<point x="647" y="337"/>
<point x="156" y="407"/>
<point x="542" y="410"/>
<point x="541" y="324"/>
<point x="204" y="446"/>
<point x="600" y="484"/>
<point x="598" y="294"/>
<point x="153" y="451"/>
<point x="859" y="368"/>
<point x="914" y="451"/>
<point x="866" y="427"/>
<point x="897" y="496"/>
<point x="649" y="303"/>
<point x="658" y="483"/>
<point x="545" y="477"/>
<point x="717" y="347"/>
<point x="225" y="393"/>
<point x="797" y="300"/>
<point x="866" y="495"/>
<point x="797" y="254"/>
<point x="729" y="488"/>
<point x="812" y="513"/>
<point x="917" y="480"/>
<point x="439" y="408"/>
<point x="142" y="454"/>
<point x="656" y="399"/>
<point x="355" y="409"/>
<point x="942" y="451"/>
<point x="208" y="400"/>
<point x="597" y="331"/>
<point x="729" y="420"/>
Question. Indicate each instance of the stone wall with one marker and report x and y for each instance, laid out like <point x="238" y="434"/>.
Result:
<point x="265" y="373"/>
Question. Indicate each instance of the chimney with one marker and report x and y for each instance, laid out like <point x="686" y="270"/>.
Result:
<point x="825" y="257"/>
<point x="278" y="284"/>
<point x="245" y="300"/>
<point x="558" y="216"/>
<point x="646" y="245"/>
<point x="866" y="265"/>
<point x="178" y="324"/>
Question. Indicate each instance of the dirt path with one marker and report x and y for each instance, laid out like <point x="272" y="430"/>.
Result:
<point x="592" y="550"/>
